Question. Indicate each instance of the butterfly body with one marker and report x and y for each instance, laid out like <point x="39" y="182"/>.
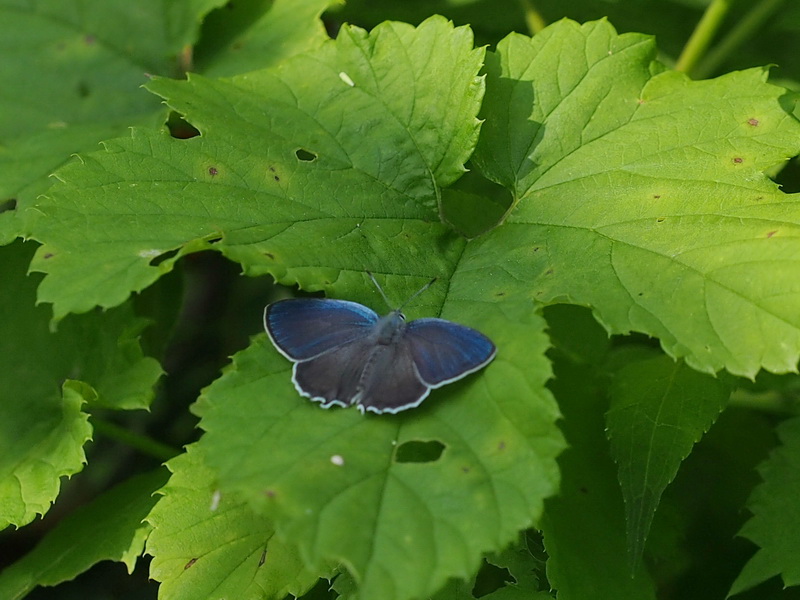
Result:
<point x="345" y="354"/>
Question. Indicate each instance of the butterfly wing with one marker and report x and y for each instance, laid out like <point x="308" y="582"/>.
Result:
<point x="444" y="351"/>
<point x="333" y="377"/>
<point x="389" y="381"/>
<point x="302" y="328"/>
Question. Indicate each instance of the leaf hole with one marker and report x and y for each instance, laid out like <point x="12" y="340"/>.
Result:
<point x="305" y="155"/>
<point x="157" y="260"/>
<point x="180" y="128"/>
<point x="417" y="451"/>
<point x="7" y="205"/>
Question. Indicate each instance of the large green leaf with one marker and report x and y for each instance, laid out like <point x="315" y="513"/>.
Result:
<point x="775" y="525"/>
<point x="641" y="194"/>
<point x="46" y="381"/>
<point x="380" y="150"/>
<point x="73" y="70"/>
<point x="206" y="544"/>
<point x="335" y="481"/>
<point x="659" y="410"/>
<point x="109" y="528"/>
<point x="245" y="36"/>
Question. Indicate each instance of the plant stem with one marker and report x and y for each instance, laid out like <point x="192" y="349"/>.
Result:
<point x="771" y="401"/>
<point x="142" y="443"/>
<point x="702" y="35"/>
<point x="533" y="19"/>
<point x="743" y="30"/>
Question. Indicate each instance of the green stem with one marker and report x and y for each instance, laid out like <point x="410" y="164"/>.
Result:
<point x="743" y="31"/>
<point x="702" y="35"/>
<point x="142" y="443"/>
<point x="769" y="401"/>
<point x="533" y="19"/>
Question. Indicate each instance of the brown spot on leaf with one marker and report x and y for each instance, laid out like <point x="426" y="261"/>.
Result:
<point x="656" y="196"/>
<point x="189" y="564"/>
<point x="771" y="233"/>
<point x="661" y="219"/>
<point x="738" y="160"/>
<point x="753" y="122"/>
<point x="263" y="557"/>
<point x="212" y="171"/>
<point x="269" y="493"/>
<point x="89" y="39"/>
<point x="48" y="255"/>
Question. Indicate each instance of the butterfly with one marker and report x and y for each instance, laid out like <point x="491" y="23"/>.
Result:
<point x="345" y="354"/>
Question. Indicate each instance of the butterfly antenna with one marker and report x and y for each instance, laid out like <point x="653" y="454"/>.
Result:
<point x="385" y="299"/>
<point x="380" y="289"/>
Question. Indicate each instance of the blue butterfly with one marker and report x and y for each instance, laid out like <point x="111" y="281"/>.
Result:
<point x="345" y="354"/>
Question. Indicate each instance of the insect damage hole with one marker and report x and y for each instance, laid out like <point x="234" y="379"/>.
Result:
<point x="417" y="451"/>
<point x="157" y="256"/>
<point x="305" y="155"/>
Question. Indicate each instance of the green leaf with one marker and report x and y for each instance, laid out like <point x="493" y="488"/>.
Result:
<point x="77" y="67"/>
<point x="380" y="151"/>
<point x="109" y="528"/>
<point x="659" y="410"/>
<point x="775" y="525"/>
<point x="332" y="481"/>
<point x="42" y="427"/>
<point x="204" y="547"/>
<point x="641" y="193"/>
<point x="245" y="36"/>
<point x="584" y="526"/>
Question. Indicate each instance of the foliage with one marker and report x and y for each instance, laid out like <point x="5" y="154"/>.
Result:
<point x="614" y="224"/>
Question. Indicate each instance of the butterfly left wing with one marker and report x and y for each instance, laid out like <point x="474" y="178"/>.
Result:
<point x="444" y="351"/>
<point x="302" y="328"/>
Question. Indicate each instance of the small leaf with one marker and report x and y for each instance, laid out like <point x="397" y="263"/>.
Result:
<point x="775" y="525"/>
<point x="45" y="382"/>
<point x="584" y="526"/>
<point x="108" y="528"/>
<point x="659" y="410"/>
<point x="642" y="194"/>
<point x="203" y="547"/>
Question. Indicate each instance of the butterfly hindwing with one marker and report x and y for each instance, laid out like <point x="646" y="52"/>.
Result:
<point x="390" y="382"/>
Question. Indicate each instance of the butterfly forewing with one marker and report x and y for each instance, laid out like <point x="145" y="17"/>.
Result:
<point x="302" y="328"/>
<point x="444" y="351"/>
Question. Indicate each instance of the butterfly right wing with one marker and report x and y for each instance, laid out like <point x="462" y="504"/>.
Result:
<point x="302" y="328"/>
